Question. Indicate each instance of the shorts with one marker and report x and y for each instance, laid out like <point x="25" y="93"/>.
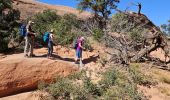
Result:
<point x="79" y="53"/>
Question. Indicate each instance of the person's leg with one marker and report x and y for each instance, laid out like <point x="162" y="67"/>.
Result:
<point x="51" y="53"/>
<point x="76" y="58"/>
<point x="80" y="57"/>
<point x="31" y="46"/>
<point x="26" y="49"/>
<point x="49" y="49"/>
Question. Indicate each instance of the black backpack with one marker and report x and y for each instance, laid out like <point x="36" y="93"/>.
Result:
<point x="75" y="43"/>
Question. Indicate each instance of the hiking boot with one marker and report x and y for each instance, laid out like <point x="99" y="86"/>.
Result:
<point x="26" y="55"/>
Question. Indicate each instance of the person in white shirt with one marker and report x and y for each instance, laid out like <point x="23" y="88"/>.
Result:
<point x="50" y="44"/>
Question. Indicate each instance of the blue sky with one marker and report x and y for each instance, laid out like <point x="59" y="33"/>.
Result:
<point x="157" y="10"/>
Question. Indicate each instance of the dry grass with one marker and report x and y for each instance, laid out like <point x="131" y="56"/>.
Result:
<point x="162" y="76"/>
<point x="164" y="90"/>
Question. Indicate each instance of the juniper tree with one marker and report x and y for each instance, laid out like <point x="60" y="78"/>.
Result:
<point x="101" y="8"/>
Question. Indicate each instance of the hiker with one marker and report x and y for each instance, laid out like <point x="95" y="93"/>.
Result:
<point x="139" y="8"/>
<point x="79" y="50"/>
<point x="50" y="44"/>
<point x="29" y="40"/>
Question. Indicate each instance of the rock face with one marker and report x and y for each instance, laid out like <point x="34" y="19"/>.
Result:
<point x="19" y="74"/>
<point x="29" y="8"/>
<point x="34" y="95"/>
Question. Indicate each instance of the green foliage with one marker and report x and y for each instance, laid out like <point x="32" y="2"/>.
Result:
<point x="5" y="4"/>
<point x="44" y="22"/>
<point x="61" y="89"/>
<point x="97" y="34"/>
<point x="42" y="85"/>
<point x="64" y="29"/>
<point x="114" y="85"/>
<point x="87" y="45"/>
<point x="139" y="77"/>
<point x="99" y="7"/>
<point x="63" y="26"/>
<point x="77" y="75"/>
<point x="109" y="78"/>
<point x="136" y="35"/>
<point x="8" y="19"/>
<point x="91" y="87"/>
<point x="166" y="28"/>
<point x="122" y="23"/>
<point x="128" y="92"/>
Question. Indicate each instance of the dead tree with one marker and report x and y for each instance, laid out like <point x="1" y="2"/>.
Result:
<point x="155" y="39"/>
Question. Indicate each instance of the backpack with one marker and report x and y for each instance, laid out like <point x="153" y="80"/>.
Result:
<point x="75" y="43"/>
<point x="46" y="37"/>
<point x="23" y="30"/>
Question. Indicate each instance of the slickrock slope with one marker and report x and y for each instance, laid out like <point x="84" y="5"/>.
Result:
<point x="18" y="74"/>
<point x="29" y="8"/>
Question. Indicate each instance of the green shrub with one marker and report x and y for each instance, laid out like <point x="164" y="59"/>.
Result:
<point x="109" y="78"/>
<point x="97" y="34"/>
<point x="136" y="35"/>
<point x="77" y="75"/>
<point x="90" y="87"/>
<point x="139" y="77"/>
<point x="62" y="88"/>
<point x="120" y="23"/>
<point x="8" y="22"/>
<point x="44" y="22"/>
<point x="114" y="85"/>
<point x="42" y="85"/>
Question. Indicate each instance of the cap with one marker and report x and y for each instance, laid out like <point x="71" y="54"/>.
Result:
<point x="82" y="38"/>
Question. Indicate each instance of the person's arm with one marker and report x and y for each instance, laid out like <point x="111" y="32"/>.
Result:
<point x="51" y="36"/>
<point x="80" y="45"/>
<point x="28" y="31"/>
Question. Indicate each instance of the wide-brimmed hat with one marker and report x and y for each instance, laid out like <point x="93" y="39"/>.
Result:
<point x="52" y="31"/>
<point x="31" y="22"/>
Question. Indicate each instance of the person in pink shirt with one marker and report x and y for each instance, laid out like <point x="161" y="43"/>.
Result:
<point x="79" y="50"/>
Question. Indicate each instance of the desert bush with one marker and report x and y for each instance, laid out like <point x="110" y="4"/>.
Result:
<point x="61" y="89"/>
<point x="114" y="84"/>
<point x="87" y="45"/>
<point x="97" y="34"/>
<point x="139" y="77"/>
<point x="77" y="75"/>
<point x="103" y="59"/>
<point x="91" y="87"/>
<point x="64" y="26"/>
<point x="44" y="22"/>
<point x="129" y="92"/>
<point x="136" y="35"/>
<point x="109" y="78"/>
<point x="120" y="23"/>
<point x="8" y="19"/>
<point x="42" y="85"/>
